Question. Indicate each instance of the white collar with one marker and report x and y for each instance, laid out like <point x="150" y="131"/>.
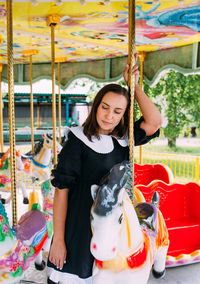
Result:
<point x="103" y="145"/>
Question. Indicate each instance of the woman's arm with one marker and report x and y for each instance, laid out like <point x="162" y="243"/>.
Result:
<point x="58" y="251"/>
<point x="152" y="117"/>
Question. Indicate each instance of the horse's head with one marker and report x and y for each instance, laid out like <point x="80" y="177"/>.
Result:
<point x="107" y="214"/>
<point x="48" y="142"/>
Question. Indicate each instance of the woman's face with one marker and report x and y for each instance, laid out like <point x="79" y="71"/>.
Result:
<point x="110" y="112"/>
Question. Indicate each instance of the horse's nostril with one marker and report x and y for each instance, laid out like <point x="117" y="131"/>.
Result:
<point x="94" y="246"/>
<point x="114" y="249"/>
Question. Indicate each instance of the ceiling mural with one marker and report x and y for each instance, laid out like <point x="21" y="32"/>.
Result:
<point x="96" y="30"/>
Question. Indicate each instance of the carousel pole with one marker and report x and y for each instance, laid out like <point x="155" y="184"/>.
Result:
<point x="1" y="111"/>
<point x="29" y="53"/>
<point x="52" y="21"/>
<point x="31" y="105"/>
<point x="11" y="111"/>
<point x="131" y="85"/>
<point x="33" y="196"/>
<point x="142" y="56"/>
<point x="59" y="60"/>
<point x="38" y="115"/>
<point x="59" y="104"/>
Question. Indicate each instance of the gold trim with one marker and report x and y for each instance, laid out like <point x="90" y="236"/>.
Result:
<point x="10" y="252"/>
<point x="47" y="146"/>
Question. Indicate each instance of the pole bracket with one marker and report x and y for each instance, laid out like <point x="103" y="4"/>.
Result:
<point x="53" y="20"/>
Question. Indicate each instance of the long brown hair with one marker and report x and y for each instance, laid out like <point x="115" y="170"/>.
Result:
<point x="91" y="127"/>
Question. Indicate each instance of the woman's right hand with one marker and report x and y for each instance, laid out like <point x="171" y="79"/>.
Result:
<point x="134" y="70"/>
<point x="58" y="253"/>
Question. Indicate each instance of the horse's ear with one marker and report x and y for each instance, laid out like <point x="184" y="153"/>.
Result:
<point x="94" y="191"/>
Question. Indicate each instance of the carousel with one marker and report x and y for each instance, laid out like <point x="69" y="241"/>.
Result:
<point x="63" y="40"/>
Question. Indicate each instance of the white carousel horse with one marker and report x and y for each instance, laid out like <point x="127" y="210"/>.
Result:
<point x="38" y="164"/>
<point x="5" y="176"/>
<point x="20" y="247"/>
<point x="126" y="241"/>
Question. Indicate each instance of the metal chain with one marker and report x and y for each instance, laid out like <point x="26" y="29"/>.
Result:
<point x="1" y="111"/>
<point x="142" y="56"/>
<point x="11" y="111"/>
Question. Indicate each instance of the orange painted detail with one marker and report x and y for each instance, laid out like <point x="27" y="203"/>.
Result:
<point x="128" y="231"/>
<point x="27" y="166"/>
<point x="5" y="156"/>
<point x="162" y="237"/>
<point x="139" y="257"/>
<point x="40" y="245"/>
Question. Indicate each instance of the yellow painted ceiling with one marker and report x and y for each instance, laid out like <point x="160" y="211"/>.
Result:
<point x="93" y="30"/>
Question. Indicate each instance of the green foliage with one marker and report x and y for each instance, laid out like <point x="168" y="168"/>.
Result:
<point x="180" y="95"/>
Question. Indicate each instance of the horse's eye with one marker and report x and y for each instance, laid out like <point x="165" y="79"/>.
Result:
<point x="91" y="218"/>
<point x="120" y="219"/>
<point x="47" y="141"/>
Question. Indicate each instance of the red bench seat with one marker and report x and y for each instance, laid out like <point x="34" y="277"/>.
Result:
<point x="180" y="206"/>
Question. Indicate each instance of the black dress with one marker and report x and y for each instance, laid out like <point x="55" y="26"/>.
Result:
<point x="81" y="164"/>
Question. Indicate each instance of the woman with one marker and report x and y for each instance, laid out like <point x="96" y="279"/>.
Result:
<point x="90" y="152"/>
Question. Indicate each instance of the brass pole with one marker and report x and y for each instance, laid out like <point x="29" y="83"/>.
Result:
<point x="31" y="104"/>
<point x="131" y="81"/>
<point x="142" y="56"/>
<point x="53" y="91"/>
<point x="38" y="115"/>
<point x="11" y="111"/>
<point x="1" y="111"/>
<point x="59" y="104"/>
<point x="52" y="21"/>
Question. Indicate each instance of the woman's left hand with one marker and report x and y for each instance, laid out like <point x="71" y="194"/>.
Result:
<point x="134" y="71"/>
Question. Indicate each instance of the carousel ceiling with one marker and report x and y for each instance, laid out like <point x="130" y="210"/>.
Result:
<point x="91" y="30"/>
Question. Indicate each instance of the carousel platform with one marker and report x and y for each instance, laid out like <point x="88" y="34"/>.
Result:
<point x="188" y="274"/>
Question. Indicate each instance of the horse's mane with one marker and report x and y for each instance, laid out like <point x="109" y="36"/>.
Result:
<point x="49" y="136"/>
<point x="107" y="197"/>
<point x="37" y="147"/>
<point x="127" y="176"/>
<point x="3" y="212"/>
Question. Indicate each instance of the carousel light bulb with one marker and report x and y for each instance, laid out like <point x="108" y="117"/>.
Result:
<point x="34" y="2"/>
<point x="106" y="2"/>
<point x="82" y="2"/>
<point x="58" y="2"/>
<point x="156" y="1"/>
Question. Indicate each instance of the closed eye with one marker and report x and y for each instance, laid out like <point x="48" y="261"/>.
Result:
<point x="117" y="112"/>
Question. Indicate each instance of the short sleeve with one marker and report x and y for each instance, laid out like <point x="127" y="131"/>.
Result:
<point x="66" y="174"/>
<point x="140" y="134"/>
